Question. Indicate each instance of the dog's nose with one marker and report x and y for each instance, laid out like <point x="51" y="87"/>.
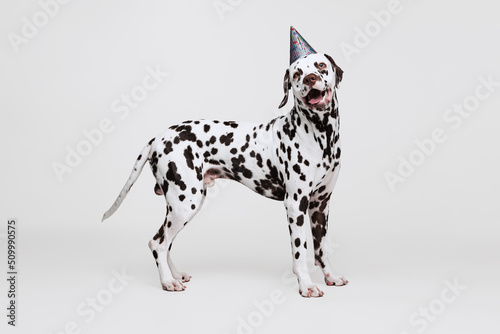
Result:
<point x="310" y="79"/>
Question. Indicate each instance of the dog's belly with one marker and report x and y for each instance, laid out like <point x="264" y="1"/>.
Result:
<point x="260" y="180"/>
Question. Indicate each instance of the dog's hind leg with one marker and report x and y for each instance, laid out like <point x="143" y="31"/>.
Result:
<point x="195" y="205"/>
<point x="180" y="210"/>
<point x="180" y="276"/>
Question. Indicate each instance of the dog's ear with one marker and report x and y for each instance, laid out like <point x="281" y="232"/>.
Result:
<point x="286" y="87"/>
<point x="338" y="71"/>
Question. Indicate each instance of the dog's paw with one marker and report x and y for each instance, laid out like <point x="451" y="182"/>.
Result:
<point x="173" y="285"/>
<point x="311" y="291"/>
<point x="335" y="280"/>
<point x="183" y="277"/>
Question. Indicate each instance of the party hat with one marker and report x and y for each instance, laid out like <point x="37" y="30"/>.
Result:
<point x="298" y="46"/>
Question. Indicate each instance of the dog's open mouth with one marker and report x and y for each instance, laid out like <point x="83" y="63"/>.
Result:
<point x="318" y="98"/>
<point x="315" y="96"/>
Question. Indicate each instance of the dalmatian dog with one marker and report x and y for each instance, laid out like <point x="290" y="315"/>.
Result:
<point x="294" y="158"/>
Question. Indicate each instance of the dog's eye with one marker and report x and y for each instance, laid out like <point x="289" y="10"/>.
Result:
<point x="322" y="65"/>
<point x="296" y="76"/>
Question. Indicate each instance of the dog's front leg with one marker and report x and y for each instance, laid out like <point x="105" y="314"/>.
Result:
<point x="296" y="207"/>
<point x="318" y="214"/>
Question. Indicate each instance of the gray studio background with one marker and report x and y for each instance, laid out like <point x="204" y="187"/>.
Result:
<point x="400" y="248"/>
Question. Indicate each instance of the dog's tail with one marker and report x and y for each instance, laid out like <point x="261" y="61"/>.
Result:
<point x="139" y="165"/>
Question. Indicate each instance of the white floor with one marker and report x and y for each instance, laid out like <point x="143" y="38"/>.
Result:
<point x="236" y="291"/>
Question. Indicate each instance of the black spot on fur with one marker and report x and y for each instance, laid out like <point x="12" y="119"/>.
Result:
<point x="160" y="232"/>
<point x="259" y="160"/>
<point x="297" y="242"/>
<point x="226" y="139"/>
<point x="300" y="220"/>
<point x="303" y="204"/>
<point x="185" y="133"/>
<point x="175" y="177"/>
<point x="318" y="218"/>
<point x="231" y="124"/>
<point x="168" y="147"/>
<point x="337" y="155"/>
<point x="296" y="168"/>
<point x="199" y="174"/>
<point x="164" y="187"/>
<point x="238" y="167"/>
<point x="273" y="172"/>
<point x="188" y="154"/>
<point x="318" y="258"/>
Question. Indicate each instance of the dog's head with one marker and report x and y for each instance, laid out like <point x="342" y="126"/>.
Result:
<point x="312" y="80"/>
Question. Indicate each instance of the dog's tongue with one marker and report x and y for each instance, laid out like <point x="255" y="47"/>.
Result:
<point x="315" y="97"/>
<point x="315" y="100"/>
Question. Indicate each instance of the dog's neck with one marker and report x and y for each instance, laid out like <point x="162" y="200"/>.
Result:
<point x="321" y="120"/>
<point x="323" y="125"/>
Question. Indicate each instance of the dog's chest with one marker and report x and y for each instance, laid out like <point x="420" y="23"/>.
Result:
<point x="306" y="153"/>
